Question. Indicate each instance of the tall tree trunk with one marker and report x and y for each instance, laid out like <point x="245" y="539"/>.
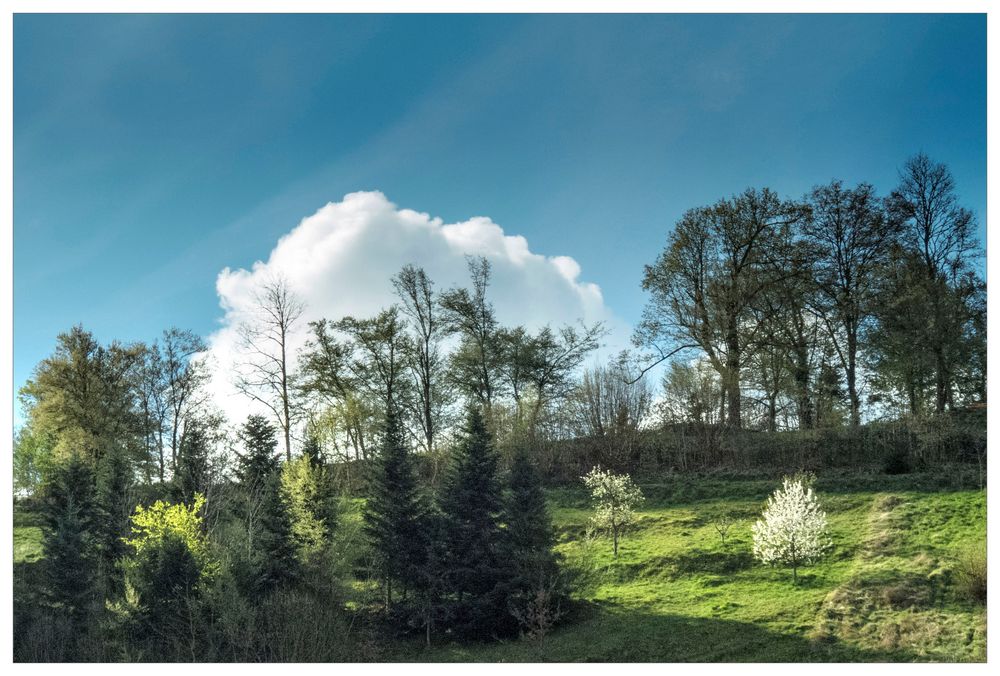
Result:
<point x="160" y="448"/>
<point x="852" y="375"/>
<point x="722" y="404"/>
<point x="734" y="416"/>
<point x="284" y="401"/>
<point x="941" y="368"/>
<point x="802" y="375"/>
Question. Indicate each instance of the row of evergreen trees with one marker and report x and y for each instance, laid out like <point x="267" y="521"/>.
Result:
<point x="470" y="558"/>
<point x="126" y="580"/>
<point x="186" y="578"/>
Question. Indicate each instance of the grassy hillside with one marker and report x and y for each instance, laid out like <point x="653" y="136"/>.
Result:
<point x="889" y="590"/>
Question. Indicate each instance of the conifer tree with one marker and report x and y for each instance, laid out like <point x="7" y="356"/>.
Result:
<point x="114" y="503"/>
<point x="192" y="475"/>
<point x="471" y="502"/>
<point x="312" y="450"/>
<point x="70" y="543"/>
<point x="395" y="514"/>
<point x="309" y="500"/>
<point x="258" y="459"/>
<point x="274" y="563"/>
<point x="529" y="537"/>
<point x="271" y="560"/>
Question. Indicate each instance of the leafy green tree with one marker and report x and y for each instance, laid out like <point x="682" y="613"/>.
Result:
<point x="166" y="573"/>
<point x="182" y="374"/>
<point x="151" y="394"/>
<point x="717" y="263"/>
<point x="475" y="365"/>
<point x="471" y="503"/>
<point x="425" y="359"/>
<point x="82" y="396"/>
<point x="327" y="378"/>
<point x="33" y="459"/>
<point x="311" y="507"/>
<point x="395" y="512"/>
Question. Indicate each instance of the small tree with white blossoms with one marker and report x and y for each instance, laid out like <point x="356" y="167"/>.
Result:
<point x="793" y="529"/>
<point x="615" y="497"/>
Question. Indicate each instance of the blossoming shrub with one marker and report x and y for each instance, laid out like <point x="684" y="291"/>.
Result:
<point x="615" y="498"/>
<point x="793" y="529"/>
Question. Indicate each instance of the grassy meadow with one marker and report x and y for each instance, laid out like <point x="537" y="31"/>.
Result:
<point x="890" y="590"/>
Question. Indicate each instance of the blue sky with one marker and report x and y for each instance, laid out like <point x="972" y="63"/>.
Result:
<point x="150" y="152"/>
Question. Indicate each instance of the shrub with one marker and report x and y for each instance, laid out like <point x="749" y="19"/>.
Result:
<point x="792" y="529"/>
<point x="164" y="579"/>
<point x="722" y="525"/>
<point x="897" y="462"/>
<point x="615" y="498"/>
<point x="970" y="572"/>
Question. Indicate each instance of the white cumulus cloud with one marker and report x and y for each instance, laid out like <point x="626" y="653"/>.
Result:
<point x="340" y="261"/>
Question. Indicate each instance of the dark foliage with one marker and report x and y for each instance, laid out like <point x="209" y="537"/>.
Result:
<point x="259" y="457"/>
<point x="71" y="540"/>
<point x="395" y="513"/>
<point x="193" y="471"/>
<point x="471" y="504"/>
<point x="114" y="502"/>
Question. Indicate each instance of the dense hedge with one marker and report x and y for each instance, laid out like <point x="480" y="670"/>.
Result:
<point x="894" y="447"/>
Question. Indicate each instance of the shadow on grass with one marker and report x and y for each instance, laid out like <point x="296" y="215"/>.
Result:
<point x="597" y="634"/>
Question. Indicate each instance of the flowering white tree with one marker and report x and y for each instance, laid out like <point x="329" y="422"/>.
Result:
<point x="615" y="497"/>
<point x="793" y="529"/>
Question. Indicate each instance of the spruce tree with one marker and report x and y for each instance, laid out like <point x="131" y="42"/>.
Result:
<point x="471" y="502"/>
<point x="70" y="542"/>
<point x="271" y="561"/>
<point x="395" y="513"/>
<point x="532" y="569"/>
<point x="276" y="562"/>
<point x="192" y="475"/>
<point x="312" y="450"/>
<point x="529" y="536"/>
<point x="115" y="478"/>
<point x="259" y="459"/>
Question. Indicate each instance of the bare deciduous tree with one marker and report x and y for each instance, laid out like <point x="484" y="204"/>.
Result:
<point x="416" y="291"/>
<point x="265" y="375"/>
<point x="184" y="374"/>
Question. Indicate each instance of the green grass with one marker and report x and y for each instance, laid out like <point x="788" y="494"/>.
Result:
<point x="27" y="537"/>
<point x="886" y="591"/>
